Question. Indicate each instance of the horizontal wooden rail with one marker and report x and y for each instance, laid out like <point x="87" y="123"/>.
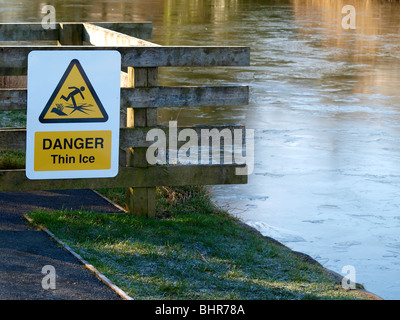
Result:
<point x="13" y="99"/>
<point x="141" y="30"/>
<point x="13" y="59"/>
<point x="12" y="139"/>
<point x="15" y="138"/>
<point x="27" y="32"/>
<point x="136" y="136"/>
<point x="33" y="31"/>
<point x="16" y="180"/>
<point x="153" y="97"/>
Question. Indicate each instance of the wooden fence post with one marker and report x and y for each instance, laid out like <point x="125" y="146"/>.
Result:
<point x="141" y="201"/>
<point x="71" y="34"/>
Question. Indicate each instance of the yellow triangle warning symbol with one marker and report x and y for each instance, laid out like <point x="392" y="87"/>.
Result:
<point x="74" y="99"/>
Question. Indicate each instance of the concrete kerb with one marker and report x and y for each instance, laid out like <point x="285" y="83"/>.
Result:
<point x="110" y="202"/>
<point x="90" y="267"/>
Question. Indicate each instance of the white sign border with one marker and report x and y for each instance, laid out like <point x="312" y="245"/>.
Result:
<point x="45" y="70"/>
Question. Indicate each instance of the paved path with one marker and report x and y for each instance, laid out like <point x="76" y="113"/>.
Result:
<point x="24" y="251"/>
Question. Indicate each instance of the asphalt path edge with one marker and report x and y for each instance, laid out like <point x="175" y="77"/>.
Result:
<point x="90" y="267"/>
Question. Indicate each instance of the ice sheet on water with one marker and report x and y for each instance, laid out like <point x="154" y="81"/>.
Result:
<point x="395" y="245"/>
<point x="279" y="234"/>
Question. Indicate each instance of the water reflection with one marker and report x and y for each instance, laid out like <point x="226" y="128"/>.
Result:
<point x="325" y="106"/>
<point x="370" y="52"/>
<point x="85" y="11"/>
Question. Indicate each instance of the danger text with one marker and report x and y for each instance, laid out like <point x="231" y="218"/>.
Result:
<point x="73" y="143"/>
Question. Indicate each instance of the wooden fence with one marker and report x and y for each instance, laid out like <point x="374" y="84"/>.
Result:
<point x="140" y="97"/>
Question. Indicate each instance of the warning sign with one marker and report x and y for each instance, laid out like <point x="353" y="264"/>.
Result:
<point x="73" y="114"/>
<point x="72" y="150"/>
<point x="74" y="99"/>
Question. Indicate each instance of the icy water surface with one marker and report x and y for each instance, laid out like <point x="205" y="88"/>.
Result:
<point x="325" y="106"/>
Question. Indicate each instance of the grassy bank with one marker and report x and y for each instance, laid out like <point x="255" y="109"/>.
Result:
<point x="192" y="250"/>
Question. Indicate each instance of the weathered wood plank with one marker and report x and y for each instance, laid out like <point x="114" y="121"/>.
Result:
<point x="157" y="97"/>
<point x="16" y="180"/>
<point x="27" y="32"/>
<point x="13" y="99"/>
<point x="13" y="59"/>
<point x="12" y="139"/>
<point x="136" y="137"/>
<point x="15" y="138"/>
<point x="142" y="30"/>
<point x="33" y="31"/>
<point x="153" y="97"/>
<point x="99" y="36"/>
<point x="13" y="82"/>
